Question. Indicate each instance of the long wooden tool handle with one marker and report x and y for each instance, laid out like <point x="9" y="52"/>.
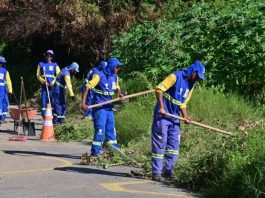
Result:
<point x="20" y="107"/>
<point x="46" y="86"/>
<point x="25" y="99"/>
<point x="120" y="99"/>
<point x="200" y="124"/>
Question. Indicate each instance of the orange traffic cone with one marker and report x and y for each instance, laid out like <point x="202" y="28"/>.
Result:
<point x="47" y="128"/>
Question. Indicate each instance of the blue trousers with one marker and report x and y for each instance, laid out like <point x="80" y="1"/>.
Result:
<point x="60" y="106"/>
<point x="5" y="107"/>
<point x="4" y="102"/>
<point x="165" y="143"/>
<point x="104" y="125"/>
<point x="45" y="100"/>
<point x="89" y="99"/>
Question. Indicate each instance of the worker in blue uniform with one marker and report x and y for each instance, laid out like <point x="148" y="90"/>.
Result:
<point x="104" y="84"/>
<point x="101" y="66"/>
<point x="63" y="81"/>
<point x="5" y="89"/>
<point x="172" y="94"/>
<point x="47" y="71"/>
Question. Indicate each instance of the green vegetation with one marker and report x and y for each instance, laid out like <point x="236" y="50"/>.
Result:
<point x="155" y="38"/>
<point x="227" y="36"/>
<point x="75" y="129"/>
<point x="208" y="161"/>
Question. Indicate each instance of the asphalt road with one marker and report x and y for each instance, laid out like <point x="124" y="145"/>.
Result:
<point x="49" y="169"/>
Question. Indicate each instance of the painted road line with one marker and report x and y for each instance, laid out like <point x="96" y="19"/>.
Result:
<point x="65" y="164"/>
<point x="118" y="187"/>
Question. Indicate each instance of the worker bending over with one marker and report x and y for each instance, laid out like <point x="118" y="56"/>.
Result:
<point x="63" y="81"/>
<point x="104" y="84"/>
<point x="172" y="96"/>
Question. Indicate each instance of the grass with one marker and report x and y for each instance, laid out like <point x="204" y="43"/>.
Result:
<point x="208" y="162"/>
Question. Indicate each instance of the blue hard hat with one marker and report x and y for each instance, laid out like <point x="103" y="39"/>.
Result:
<point x="196" y="67"/>
<point x="2" y="59"/>
<point x="74" y="66"/>
<point x="102" y="64"/>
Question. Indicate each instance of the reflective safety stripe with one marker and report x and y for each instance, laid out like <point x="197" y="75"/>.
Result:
<point x="174" y="152"/>
<point x="48" y="112"/>
<point x="2" y="84"/>
<point x="86" y="80"/>
<point x="174" y="101"/>
<point x="60" y="116"/>
<point x="4" y="113"/>
<point x="161" y="86"/>
<point x="48" y="76"/>
<point x="47" y="123"/>
<point x="43" y="109"/>
<point x="60" y="85"/>
<point x="157" y="156"/>
<point x="97" y="143"/>
<point x="112" y="142"/>
<point x="106" y="93"/>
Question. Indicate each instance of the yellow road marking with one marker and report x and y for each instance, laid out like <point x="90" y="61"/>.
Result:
<point x="65" y="164"/>
<point x="117" y="187"/>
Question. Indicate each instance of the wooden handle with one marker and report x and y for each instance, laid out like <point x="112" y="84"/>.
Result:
<point x="46" y="86"/>
<point x="25" y="99"/>
<point x="201" y="125"/>
<point x="120" y="99"/>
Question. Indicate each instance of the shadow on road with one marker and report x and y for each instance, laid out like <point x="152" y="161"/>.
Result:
<point x="88" y="170"/>
<point x="12" y="132"/>
<point x="16" y="152"/>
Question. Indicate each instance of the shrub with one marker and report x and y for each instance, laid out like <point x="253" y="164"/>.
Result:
<point x="227" y="36"/>
<point x="75" y="129"/>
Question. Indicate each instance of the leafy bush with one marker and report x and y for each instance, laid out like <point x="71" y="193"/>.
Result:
<point x="243" y="173"/>
<point x="228" y="36"/>
<point x="135" y="82"/>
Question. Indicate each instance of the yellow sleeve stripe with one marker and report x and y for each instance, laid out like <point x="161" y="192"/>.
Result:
<point x="167" y="83"/>
<point x="161" y="87"/>
<point x="8" y="83"/>
<point x="40" y="79"/>
<point x="93" y="82"/>
<point x="69" y="85"/>
<point x="57" y="70"/>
